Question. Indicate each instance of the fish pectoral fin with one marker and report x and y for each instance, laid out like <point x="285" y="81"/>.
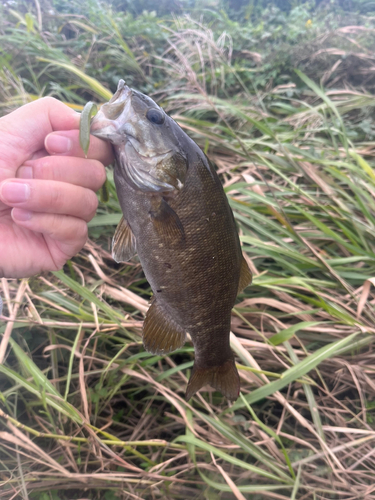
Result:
<point x="245" y="276"/>
<point x="166" y="221"/>
<point x="123" y="242"/>
<point x="161" y="334"/>
<point x="223" y="378"/>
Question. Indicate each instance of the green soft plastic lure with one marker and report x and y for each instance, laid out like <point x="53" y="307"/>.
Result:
<point x="88" y="113"/>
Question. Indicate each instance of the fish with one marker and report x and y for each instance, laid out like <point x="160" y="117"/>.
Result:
<point x="177" y="218"/>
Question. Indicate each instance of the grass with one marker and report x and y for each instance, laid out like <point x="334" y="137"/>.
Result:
<point x="84" y="411"/>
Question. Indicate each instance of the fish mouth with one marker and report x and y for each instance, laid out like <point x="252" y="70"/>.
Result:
<point x="111" y="116"/>
<point x="113" y="123"/>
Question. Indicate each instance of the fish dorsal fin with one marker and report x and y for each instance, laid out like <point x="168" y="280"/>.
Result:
<point x="245" y="276"/>
<point x="161" y="334"/>
<point x="123" y="242"/>
<point x="223" y="378"/>
<point x="166" y="221"/>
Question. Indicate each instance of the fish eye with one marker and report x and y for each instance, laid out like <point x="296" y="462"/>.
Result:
<point x="155" y="116"/>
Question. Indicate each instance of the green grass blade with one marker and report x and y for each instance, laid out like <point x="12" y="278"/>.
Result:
<point x="228" y="458"/>
<point x="94" y="85"/>
<point x="87" y="295"/>
<point x="288" y="333"/>
<point x="296" y="372"/>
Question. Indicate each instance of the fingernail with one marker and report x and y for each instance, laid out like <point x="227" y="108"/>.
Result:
<point x="18" y="214"/>
<point x="25" y="173"/>
<point x="58" y="144"/>
<point x="15" y="192"/>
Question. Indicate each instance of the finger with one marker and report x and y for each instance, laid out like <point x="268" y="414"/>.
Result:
<point x="49" y="196"/>
<point x="67" y="143"/>
<point x="23" y="131"/>
<point x="69" y="232"/>
<point x="78" y="171"/>
<point x="39" y="154"/>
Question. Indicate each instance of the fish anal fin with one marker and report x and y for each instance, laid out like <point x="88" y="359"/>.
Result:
<point x="123" y="242"/>
<point x="223" y="378"/>
<point x="245" y="276"/>
<point x="161" y="334"/>
<point x="166" y="221"/>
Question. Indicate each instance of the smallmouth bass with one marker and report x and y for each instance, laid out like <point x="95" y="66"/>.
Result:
<point x="176" y="216"/>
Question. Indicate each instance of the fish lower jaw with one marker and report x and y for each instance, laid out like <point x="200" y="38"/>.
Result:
<point x="106" y="133"/>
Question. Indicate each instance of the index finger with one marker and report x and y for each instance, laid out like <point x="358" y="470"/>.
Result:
<point x="23" y="131"/>
<point x="66" y="143"/>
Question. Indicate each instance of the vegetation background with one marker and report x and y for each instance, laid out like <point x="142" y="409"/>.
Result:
<point x="280" y="95"/>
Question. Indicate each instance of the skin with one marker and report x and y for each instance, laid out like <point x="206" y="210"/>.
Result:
<point x="47" y="187"/>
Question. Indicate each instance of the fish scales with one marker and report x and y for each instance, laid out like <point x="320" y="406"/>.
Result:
<point x="200" y="286"/>
<point x="180" y="222"/>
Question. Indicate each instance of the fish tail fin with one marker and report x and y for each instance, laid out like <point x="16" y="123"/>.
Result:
<point x="223" y="378"/>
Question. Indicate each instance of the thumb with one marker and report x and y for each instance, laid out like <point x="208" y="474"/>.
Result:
<point x="23" y="131"/>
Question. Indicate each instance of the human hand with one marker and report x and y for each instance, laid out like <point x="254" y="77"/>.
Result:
<point x="47" y="187"/>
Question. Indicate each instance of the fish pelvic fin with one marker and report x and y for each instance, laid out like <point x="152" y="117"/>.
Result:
<point x="223" y="378"/>
<point x="245" y="276"/>
<point x="123" y="242"/>
<point x="161" y="334"/>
